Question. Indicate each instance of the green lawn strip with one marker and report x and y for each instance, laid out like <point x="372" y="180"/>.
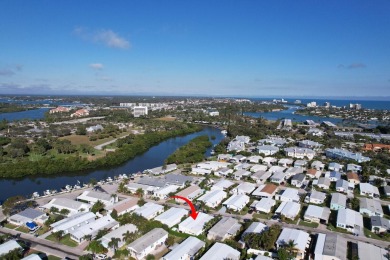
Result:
<point x="66" y="240"/>
<point x="23" y="229"/>
<point x="308" y="224"/>
<point x="370" y="234"/>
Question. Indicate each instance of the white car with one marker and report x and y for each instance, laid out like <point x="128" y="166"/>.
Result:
<point x="101" y="256"/>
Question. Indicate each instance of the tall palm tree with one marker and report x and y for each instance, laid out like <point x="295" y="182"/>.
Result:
<point x="290" y="248"/>
<point x="88" y="237"/>
<point x="129" y="236"/>
<point x="114" y="243"/>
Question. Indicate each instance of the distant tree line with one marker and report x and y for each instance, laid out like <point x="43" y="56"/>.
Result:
<point x="135" y="145"/>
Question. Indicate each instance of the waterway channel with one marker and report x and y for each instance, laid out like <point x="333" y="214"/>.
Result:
<point x="154" y="157"/>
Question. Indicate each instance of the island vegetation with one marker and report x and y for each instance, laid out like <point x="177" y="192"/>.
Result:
<point x="192" y="152"/>
<point x="9" y="108"/>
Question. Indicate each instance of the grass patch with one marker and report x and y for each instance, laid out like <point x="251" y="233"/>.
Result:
<point x="66" y="240"/>
<point x="23" y="229"/>
<point x="10" y="226"/>
<point x="370" y="234"/>
<point x="336" y="229"/>
<point x="308" y="224"/>
<point x="261" y="215"/>
<point x="42" y="230"/>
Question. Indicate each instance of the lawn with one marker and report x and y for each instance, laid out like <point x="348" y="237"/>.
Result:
<point x="66" y="240"/>
<point x="10" y="226"/>
<point x="370" y="234"/>
<point x="23" y="229"/>
<point x="261" y="215"/>
<point x="84" y="139"/>
<point x="42" y="230"/>
<point x="335" y="229"/>
<point x="308" y="224"/>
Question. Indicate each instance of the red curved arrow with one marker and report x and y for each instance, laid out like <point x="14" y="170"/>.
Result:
<point x="194" y="214"/>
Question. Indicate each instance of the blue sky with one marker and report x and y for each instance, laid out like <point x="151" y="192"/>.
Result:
<point x="221" y="48"/>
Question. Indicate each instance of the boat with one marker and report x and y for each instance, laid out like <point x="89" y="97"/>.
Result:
<point x="46" y="192"/>
<point x="68" y="187"/>
<point x="35" y="195"/>
<point x="76" y="187"/>
<point x="212" y="152"/>
<point x="109" y="179"/>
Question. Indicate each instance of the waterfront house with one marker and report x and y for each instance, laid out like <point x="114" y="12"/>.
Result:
<point x="92" y="197"/>
<point x="72" y="206"/>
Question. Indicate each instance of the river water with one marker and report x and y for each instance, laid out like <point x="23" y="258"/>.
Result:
<point x="154" y="157"/>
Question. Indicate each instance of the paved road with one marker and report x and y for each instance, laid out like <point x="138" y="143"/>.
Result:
<point x="100" y="146"/>
<point x="47" y="246"/>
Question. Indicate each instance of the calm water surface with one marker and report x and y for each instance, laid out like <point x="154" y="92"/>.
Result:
<point x="154" y="157"/>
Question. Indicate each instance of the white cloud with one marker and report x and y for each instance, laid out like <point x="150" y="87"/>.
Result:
<point x="111" y="39"/>
<point x="106" y="37"/>
<point x="96" y="66"/>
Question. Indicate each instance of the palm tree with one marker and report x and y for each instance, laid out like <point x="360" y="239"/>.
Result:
<point x="129" y="236"/>
<point x="139" y="192"/>
<point x="58" y="235"/>
<point x="114" y="243"/>
<point x="376" y="229"/>
<point x="115" y="197"/>
<point x="290" y="248"/>
<point x="88" y="237"/>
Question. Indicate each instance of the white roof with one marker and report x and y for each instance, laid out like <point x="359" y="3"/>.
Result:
<point x="222" y="184"/>
<point x="317" y="212"/>
<point x="8" y="246"/>
<point x="299" y="237"/>
<point x="148" y="210"/>
<point x="339" y="199"/>
<point x="258" y="167"/>
<point x="368" y="188"/>
<point x="167" y="189"/>
<point x="66" y="203"/>
<point x="93" y="227"/>
<point x="172" y="216"/>
<point x="94" y="196"/>
<point x="221" y="251"/>
<point x="32" y="257"/>
<point x="256" y="227"/>
<point x="118" y="233"/>
<point x="289" y="209"/>
<point x="245" y="187"/>
<point x="195" y="226"/>
<point x="350" y="217"/>
<point x="237" y="200"/>
<point x="318" y="195"/>
<point x="74" y="220"/>
<point x="188" y="247"/>
<point x="290" y="193"/>
<point x="371" y="252"/>
<point x="265" y="203"/>
<point x="213" y="196"/>
<point x="330" y="245"/>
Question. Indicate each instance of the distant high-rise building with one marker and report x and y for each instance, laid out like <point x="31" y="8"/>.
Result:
<point x="140" y="111"/>
<point x="312" y="104"/>
<point x="355" y="106"/>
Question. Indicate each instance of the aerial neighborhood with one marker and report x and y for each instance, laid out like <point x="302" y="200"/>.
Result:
<point x="274" y="194"/>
